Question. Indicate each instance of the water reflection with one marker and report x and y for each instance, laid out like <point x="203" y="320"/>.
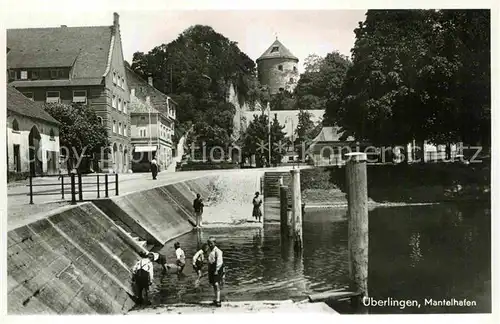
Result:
<point x="414" y="253"/>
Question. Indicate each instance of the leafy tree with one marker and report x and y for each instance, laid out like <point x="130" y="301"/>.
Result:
<point x="413" y="77"/>
<point x="256" y="139"/>
<point x="80" y="130"/>
<point x="322" y="80"/>
<point x="282" y="100"/>
<point x="306" y="131"/>
<point x="198" y="67"/>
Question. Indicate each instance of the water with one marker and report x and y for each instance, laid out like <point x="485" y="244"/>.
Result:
<point x="440" y="251"/>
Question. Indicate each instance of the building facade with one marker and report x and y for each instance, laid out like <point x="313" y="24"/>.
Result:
<point x="152" y="115"/>
<point x="76" y="65"/>
<point x="32" y="137"/>
<point x="278" y="68"/>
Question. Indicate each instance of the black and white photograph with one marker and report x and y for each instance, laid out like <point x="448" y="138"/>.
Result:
<point x="211" y="161"/>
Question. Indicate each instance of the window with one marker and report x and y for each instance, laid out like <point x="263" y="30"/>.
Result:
<point x="124" y="107"/>
<point x="280" y="67"/>
<point x="123" y="83"/>
<point x="15" y="125"/>
<point x="113" y="102"/>
<point x="114" y="126"/>
<point x="52" y="136"/>
<point x="53" y="97"/>
<point x="119" y="104"/>
<point x="29" y="95"/>
<point x="290" y="158"/>
<point x="294" y="69"/>
<point x="275" y="49"/>
<point x="114" y="77"/>
<point x="120" y="128"/>
<point x="24" y="75"/>
<point x="100" y="120"/>
<point x="119" y="81"/>
<point x="143" y="118"/>
<point x="53" y="74"/>
<point x="142" y="132"/>
<point x="12" y="74"/>
<point x="80" y="96"/>
<point x="34" y="75"/>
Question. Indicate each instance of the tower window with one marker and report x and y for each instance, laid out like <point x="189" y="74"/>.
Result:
<point x="280" y="67"/>
<point x="291" y="80"/>
<point x="294" y="69"/>
<point x="275" y="49"/>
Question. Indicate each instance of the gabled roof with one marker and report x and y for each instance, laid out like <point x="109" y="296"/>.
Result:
<point x="19" y="104"/>
<point x="86" y="49"/>
<point x="331" y="134"/>
<point x="143" y="89"/>
<point x="277" y="50"/>
<point x="139" y="106"/>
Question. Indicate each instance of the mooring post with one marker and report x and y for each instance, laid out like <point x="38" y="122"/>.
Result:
<point x="80" y="189"/>
<point x="73" y="191"/>
<point x="284" y="210"/>
<point x="357" y="214"/>
<point x="296" y="210"/>
<point x="31" y="190"/>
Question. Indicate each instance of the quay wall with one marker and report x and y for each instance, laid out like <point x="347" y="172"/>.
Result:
<point x="73" y="262"/>
<point x="79" y="260"/>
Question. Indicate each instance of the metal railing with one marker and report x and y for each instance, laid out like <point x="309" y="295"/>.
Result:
<point x="74" y="185"/>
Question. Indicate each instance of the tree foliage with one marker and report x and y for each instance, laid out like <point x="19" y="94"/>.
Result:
<point x="418" y="74"/>
<point x="80" y="129"/>
<point x="322" y="80"/>
<point x="197" y="69"/>
<point x="256" y="139"/>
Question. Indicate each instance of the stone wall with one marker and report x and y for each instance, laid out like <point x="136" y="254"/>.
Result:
<point x="77" y="261"/>
<point x="271" y="76"/>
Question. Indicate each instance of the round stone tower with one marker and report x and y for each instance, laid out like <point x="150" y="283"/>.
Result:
<point x="277" y="68"/>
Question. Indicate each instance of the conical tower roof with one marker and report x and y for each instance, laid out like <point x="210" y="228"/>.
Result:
<point x="277" y="50"/>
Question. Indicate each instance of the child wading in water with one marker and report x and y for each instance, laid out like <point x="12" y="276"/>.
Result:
<point x="181" y="258"/>
<point x="198" y="260"/>
<point x="257" y="202"/>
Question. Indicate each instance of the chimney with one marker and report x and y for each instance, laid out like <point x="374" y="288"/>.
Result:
<point x="132" y="92"/>
<point x="116" y="20"/>
<point x="148" y="100"/>
<point x="150" y="81"/>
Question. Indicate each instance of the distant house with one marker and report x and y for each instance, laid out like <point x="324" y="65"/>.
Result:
<point x="32" y="137"/>
<point x="328" y="148"/>
<point x="76" y="65"/>
<point x="152" y="118"/>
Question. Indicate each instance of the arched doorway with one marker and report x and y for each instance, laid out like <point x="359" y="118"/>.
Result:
<point x="34" y="147"/>
<point x="120" y="158"/>
<point x="125" y="159"/>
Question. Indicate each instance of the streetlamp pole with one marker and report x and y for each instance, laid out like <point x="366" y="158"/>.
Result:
<point x="269" y="129"/>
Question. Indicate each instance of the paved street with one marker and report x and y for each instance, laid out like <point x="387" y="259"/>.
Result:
<point x="20" y="211"/>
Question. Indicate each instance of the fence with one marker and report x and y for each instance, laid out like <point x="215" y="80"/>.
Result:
<point x="74" y="185"/>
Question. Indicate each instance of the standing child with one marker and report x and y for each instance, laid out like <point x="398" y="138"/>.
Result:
<point x="198" y="259"/>
<point x="181" y="257"/>
<point x="257" y="202"/>
<point x="160" y="259"/>
<point x="215" y="269"/>
<point x="143" y="278"/>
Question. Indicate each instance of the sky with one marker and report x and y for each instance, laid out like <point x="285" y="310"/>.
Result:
<point x="303" y="32"/>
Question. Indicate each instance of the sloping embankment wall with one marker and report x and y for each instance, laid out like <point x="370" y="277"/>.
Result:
<point x="76" y="261"/>
<point x="159" y="214"/>
<point x="79" y="260"/>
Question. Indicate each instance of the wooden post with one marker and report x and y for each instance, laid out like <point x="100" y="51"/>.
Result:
<point x="31" y="190"/>
<point x="73" y="193"/>
<point x="357" y="213"/>
<point x="80" y="190"/>
<point x="62" y="186"/>
<point x="106" y="185"/>
<point x="116" y="184"/>
<point x="98" y="187"/>
<point x="284" y="210"/>
<point x="296" y="210"/>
